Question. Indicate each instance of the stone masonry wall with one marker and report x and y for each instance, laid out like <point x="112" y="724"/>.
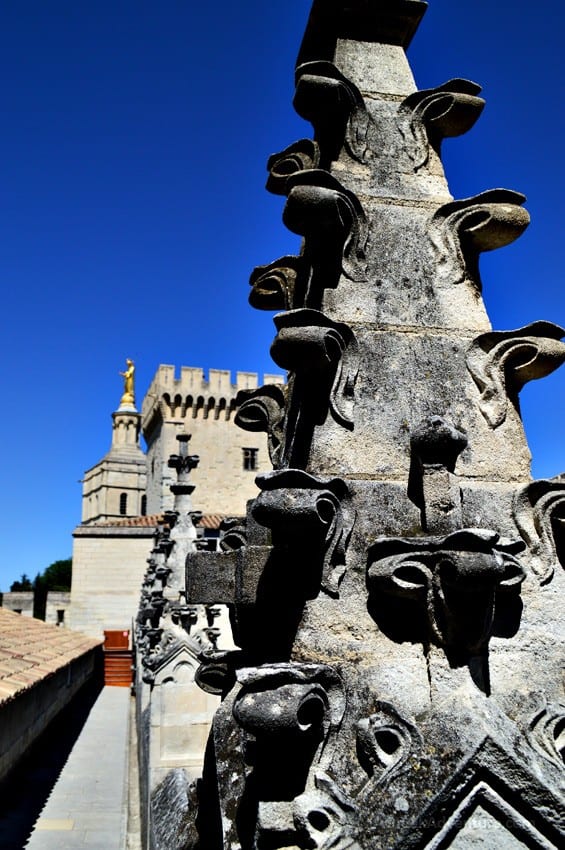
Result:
<point x="57" y="600"/>
<point x="25" y="717"/>
<point x="206" y="410"/>
<point x="19" y="601"/>
<point x="105" y="593"/>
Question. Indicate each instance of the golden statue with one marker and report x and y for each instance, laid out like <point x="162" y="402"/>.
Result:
<point x="128" y="376"/>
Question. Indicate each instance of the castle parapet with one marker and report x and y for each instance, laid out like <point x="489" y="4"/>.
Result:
<point x="192" y="396"/>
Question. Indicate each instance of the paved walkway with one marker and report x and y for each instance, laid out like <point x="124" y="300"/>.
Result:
<point x="87" y="807"/>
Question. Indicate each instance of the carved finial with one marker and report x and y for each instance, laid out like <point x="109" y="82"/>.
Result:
<point x="183" y="463"/>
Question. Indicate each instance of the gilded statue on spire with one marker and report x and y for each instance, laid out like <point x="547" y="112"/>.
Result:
<point x="129" y="391"/>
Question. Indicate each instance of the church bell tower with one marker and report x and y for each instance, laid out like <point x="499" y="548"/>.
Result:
<point x="115" y="487"/>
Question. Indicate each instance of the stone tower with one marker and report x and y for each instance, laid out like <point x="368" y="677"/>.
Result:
<point x="115" y="487"/>
<point x="396" y="592"/>
<point x="205" y="409"/>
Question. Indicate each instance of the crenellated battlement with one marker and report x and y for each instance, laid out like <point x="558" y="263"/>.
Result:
<point x="193" y="396"/>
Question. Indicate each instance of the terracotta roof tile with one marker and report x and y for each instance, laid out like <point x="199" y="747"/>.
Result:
<point x="151" y="521"/>
<point x="211" y="520"/>
<point x="133" y="521"/>
<point x="31" y="650"/>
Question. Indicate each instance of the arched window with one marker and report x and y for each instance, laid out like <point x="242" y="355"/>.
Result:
<point x="144" y="505"/>
<point x="123" y="503"/>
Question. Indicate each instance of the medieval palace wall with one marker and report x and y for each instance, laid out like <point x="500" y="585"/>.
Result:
<point x="229" y="457"/>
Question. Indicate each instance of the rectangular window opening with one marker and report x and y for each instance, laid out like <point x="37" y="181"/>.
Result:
<point x="250" y="459"/>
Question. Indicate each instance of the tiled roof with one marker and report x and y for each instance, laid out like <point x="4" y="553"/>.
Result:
<point x="210" y="520"/>
<point x="207" y="521"/>
<point x="31" y="650"/>
<point x="133" y="522"/>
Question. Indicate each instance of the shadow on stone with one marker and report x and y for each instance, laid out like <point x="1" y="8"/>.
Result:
<point x="25" y="791"/>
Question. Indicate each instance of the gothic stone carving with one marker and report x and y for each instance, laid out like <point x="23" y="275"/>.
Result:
<point x="428" y="116"/>
<point x="539" y="511"/>
<point x="300" y="156"/>
<point x="322" y="356"/>
<point x="385" y="742"/>
<point x="310" y="517"/>
<point x="325" y="818"/>
<point x="264" y="410"/>
<point x="380" y="416"/>
<point x="492" y="795"/>
<point x="452" y="582"/>
<point x="328" y="100"/>
<point x="290" y="714"/>
<point x="461" y="230"/>
<point x="281" y="285"/>
<point x="546" y="733"/>
<point x="502" y="362"/>
<point x="233" y="534"/>
<point x="436" y="444"/>
<point x="333" y="224"/>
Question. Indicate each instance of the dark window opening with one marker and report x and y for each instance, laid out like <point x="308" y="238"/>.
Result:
<point x="60" y="616"/>
<point x="144" y="506"/>
<point x="250" y="458"/>
<point x="123" y="503"/>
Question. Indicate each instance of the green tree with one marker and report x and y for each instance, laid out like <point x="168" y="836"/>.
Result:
<point x="57" y="576"/>
<point x="22" y="585"/>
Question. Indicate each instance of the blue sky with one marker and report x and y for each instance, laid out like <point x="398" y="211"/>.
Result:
<point x="133" y="150"/>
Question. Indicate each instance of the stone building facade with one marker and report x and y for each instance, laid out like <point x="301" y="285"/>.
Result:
<point x="125" y="494"/>
<point x="56" y="607"/>
<point x="108" y="565"/>
<point x="20" y="602"/>
<point x="230" y="458"/>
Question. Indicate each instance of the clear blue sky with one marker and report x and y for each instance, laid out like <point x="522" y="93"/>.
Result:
<point x="132" y="209"/>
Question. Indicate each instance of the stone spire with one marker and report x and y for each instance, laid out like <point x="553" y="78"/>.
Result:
<point x="395" y="592"/>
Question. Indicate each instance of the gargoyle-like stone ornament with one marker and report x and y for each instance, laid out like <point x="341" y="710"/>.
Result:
<point x="385" y="742"/>
<point x="325" y="818"/>
<point x="502" y="362"/>
<point x="461" y="230"/>
<point x="233" y="534"/>
<point x="281" y="285"/>
<point x="326" y="98"/>
<point x="333" y="224"/>
<point x="300" y="156"/>
<point x="264" y="409"/>
<point x="436" y="444"/>
<point x="290" y="714"/>
<point x="450" y="582"/>
<point x="322" y="357"/>
<point x="310" y="517"/>
<point x="434" y="114"/>
<point x="539" y="511"/>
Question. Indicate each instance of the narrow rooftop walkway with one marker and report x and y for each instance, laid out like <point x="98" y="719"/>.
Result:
<point x="86" y="809"/>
